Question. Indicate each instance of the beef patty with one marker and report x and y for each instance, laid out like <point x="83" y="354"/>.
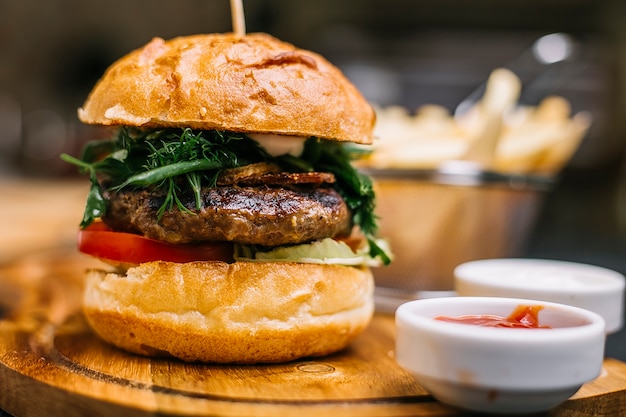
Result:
<point x="243" y="214"/>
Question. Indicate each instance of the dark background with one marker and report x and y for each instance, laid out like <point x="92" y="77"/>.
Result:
<point x="397" y="52"/>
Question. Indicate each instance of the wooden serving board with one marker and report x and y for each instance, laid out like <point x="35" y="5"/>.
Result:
<point x="63" y="370"/>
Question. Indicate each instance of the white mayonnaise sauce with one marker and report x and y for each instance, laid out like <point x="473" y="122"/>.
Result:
<point x="277" y="145"/>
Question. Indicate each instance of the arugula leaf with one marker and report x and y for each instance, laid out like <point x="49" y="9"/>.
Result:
<point x="96" y="204"/>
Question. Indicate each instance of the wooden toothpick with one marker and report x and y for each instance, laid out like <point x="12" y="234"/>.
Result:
<point x="239" y="21"/>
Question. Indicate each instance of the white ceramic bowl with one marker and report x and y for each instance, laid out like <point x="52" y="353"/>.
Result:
<point x="587" y="286"/>
<point x="500" y="370"/>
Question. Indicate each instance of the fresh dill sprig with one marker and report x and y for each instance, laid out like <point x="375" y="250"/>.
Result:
<point x="174" y="160"/>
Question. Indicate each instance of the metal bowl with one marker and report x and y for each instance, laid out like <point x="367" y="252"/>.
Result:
<point x="435" y="220"/>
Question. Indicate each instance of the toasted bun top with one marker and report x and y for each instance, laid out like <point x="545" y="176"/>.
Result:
<point x="254" y="83"/>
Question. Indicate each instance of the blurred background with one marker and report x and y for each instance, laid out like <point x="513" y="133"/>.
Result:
<point x="398" y="52"/>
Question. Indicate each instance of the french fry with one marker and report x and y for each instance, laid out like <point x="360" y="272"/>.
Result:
<point x="501" y="93"/>
<point x="565" y="147"/>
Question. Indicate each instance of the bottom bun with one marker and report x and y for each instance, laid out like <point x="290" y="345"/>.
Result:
<point x="242" y="312"/>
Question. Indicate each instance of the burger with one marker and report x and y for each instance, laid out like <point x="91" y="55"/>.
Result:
<point x="233" y="224"/>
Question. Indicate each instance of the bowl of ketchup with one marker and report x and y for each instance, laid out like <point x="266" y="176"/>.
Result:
<point x="499" y="355"/>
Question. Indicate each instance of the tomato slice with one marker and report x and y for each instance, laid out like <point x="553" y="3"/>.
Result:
<point x="100" y="241"/>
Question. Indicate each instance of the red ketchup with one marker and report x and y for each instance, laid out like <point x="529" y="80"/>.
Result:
<point x="523" y="317"/>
